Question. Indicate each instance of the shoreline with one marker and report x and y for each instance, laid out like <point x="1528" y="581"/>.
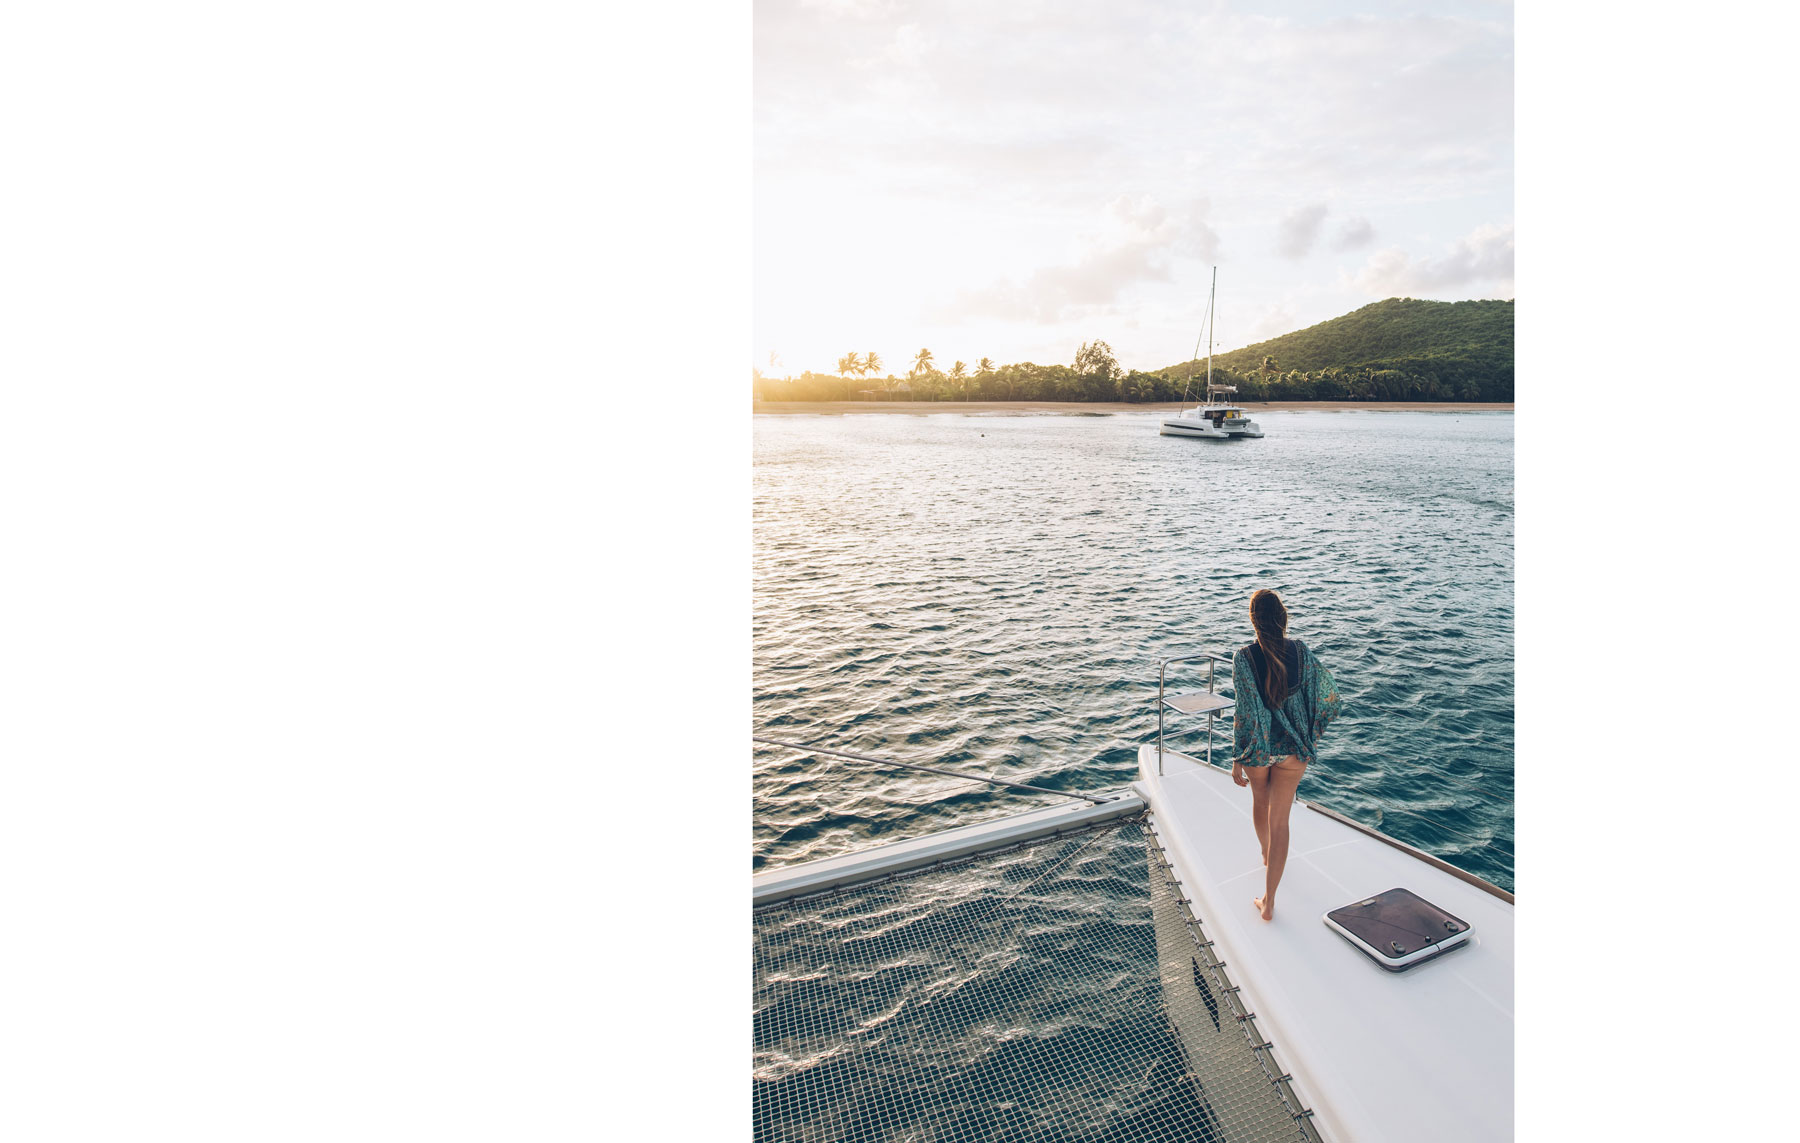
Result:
<point x="1095" y="408"/>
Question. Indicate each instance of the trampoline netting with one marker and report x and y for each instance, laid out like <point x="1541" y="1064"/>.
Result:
<point x="1060" y="990"/>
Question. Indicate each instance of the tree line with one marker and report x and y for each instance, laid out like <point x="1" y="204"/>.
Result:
<point x="1396" y="330"/>
<point x="1096" y="375"/>
<point x="1401" y="349"/>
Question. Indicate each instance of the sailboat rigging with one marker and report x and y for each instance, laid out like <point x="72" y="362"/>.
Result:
<point x="1218" y="418"/>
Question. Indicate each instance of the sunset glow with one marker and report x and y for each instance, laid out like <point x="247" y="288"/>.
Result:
<point x="1009" y="181"/>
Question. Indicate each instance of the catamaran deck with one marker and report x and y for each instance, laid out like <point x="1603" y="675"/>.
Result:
<point x="1380" y="1057"/>
<point x="1050" y="990"/>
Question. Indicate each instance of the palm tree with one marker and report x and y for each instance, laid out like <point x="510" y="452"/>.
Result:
<point x="857" y="366"/>
<point x="870" y="364"/>
<point x="848" y="364"/>
<point x="960" y="372"/>
<point x="922" y="361"/>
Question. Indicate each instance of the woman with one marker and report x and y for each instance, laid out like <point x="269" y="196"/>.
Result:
<point x="1285" y="699"/>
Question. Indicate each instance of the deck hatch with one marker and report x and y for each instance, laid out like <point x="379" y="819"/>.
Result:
<point x="1398" y="928"/>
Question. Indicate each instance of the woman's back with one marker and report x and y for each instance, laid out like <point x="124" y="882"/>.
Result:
<point x="1265" y="730"/>
<point x="1275" y="738"/>
<point x="1290" y="659"/>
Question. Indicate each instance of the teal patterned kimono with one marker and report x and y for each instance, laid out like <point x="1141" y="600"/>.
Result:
<point x="1262" y="735"/>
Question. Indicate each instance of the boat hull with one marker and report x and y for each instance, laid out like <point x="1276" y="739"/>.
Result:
<point x="1193" y="429"/>
<point x="1380" y="1057"/>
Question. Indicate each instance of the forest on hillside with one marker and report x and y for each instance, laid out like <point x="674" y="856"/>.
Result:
<point x="1401" y="349"/>
<point x="1437" y="350"/>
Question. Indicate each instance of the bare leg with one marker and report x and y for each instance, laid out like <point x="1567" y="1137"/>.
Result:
<point x="1284" y="779"/>
<point x="1259" y="805"/>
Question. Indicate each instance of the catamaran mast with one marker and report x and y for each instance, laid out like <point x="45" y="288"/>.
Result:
<point x="1210" y="301"/>
<point x="1207" y="333"/>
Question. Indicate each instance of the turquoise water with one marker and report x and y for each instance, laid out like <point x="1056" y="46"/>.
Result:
<point x="1031" y="997"/>
<point x="992" y="594"/>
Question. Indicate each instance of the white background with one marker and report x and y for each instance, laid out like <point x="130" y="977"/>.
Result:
<point x="374" y="461"/>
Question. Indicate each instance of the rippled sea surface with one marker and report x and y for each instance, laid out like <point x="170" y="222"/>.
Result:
<point x="1052" y="994"/>
<point x="991" y="594"/>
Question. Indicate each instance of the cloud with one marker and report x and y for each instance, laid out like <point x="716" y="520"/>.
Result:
<point x="1354" y="234"/>
<point x="1199" y="239"/>
<point x="1135" y="242"/>
<point x="1299" y="230"/>
<point x="909" y="47"/>
<point x="1484" y="255"/>
<point x="953" y="155"/>
<point x="1401" y="105"/>
<point x="1273" y="321"/>
<point x="854" y="9"/>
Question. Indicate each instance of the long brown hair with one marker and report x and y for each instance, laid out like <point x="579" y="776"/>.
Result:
<point x="1269" y="619"/>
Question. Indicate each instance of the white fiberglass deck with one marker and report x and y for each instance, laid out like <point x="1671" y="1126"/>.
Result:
<point x="1380" y="1057"/>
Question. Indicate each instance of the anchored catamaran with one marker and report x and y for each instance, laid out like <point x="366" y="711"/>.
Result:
<point x="910" y="988"/>
<point x="1217" y="419"/>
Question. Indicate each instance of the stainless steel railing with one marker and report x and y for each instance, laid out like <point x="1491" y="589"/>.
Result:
<point x="1162" y="671"/>
<point x="1163" y="705"/>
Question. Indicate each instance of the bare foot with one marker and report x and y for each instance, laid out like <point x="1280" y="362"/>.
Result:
<point x="1267" y="911"/>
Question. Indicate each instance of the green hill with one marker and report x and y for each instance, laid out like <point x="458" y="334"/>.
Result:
<point x="1402" y="348"/>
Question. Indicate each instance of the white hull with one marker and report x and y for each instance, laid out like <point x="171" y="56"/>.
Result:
<point x="1194" y="429"/>
<point x="1217" y="419"/>
<point x="1182" y="427"/>
<point x="1380" y="1057"/>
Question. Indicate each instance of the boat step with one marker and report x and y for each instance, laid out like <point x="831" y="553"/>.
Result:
<point x="1197" y="702"/>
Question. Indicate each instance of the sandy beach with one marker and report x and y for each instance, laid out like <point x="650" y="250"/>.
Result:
<point x="1077" y="408"/>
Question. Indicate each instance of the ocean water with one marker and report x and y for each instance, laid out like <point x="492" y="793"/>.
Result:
<point x="1049" y="995"/>
<point x="991" y="594"/>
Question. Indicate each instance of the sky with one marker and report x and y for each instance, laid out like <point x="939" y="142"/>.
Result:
<point x="1013" y="178"/>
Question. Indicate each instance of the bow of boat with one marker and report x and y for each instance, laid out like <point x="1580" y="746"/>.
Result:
<point x="1424" y="1054"/>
